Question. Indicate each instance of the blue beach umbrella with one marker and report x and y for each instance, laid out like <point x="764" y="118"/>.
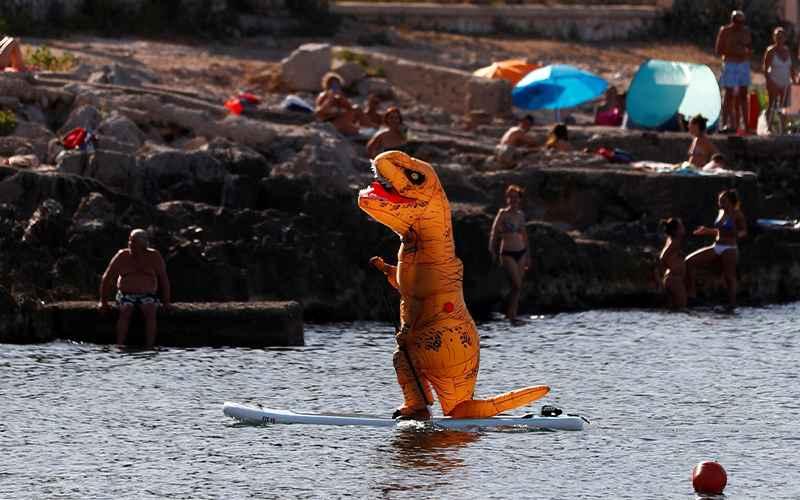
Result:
<point x="557" y="86"/>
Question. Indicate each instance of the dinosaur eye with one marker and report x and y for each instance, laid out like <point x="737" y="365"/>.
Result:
<point x="415" y="177"/>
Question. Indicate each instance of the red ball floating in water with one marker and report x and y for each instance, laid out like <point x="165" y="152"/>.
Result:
<point x="709" y="478"/>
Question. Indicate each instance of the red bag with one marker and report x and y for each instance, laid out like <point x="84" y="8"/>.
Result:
<point x="75" y="138"/>
<point x="234" y="105"/>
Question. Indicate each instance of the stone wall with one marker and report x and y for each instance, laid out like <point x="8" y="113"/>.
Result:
<point x="573" y="22"/>
<point x="453" y="90"/>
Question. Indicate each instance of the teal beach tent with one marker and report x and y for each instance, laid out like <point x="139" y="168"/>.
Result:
<point x="661" y="89"/>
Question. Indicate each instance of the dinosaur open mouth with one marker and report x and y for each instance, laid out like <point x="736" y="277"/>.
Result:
<point x="382" y="189"/>
<point x="378" y="191"/>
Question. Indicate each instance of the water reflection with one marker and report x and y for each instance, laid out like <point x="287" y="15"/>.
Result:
<point x="430" y="448"/>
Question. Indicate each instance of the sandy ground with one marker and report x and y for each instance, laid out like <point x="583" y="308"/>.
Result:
<point x="216" y="69"/>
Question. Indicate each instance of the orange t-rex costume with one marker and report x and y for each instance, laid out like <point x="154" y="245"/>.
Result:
<point x="436" y="329"/>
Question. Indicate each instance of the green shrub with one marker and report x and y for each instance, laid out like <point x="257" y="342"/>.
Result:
<point x="44" y="59"/>
<point x="8" y="122"/>
<point x="350" y="56"/>
<point x="361" y="60"/>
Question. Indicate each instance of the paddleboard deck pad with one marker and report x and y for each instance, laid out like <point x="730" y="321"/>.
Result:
<point x="254" y="414"/>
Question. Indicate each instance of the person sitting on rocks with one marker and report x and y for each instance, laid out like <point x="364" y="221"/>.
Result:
<point x="391" y="136"/>
<point x="702" y="149"/>
<point x="10" y="54"/>
<point x="671" y="266"/>
<point x="515" y="141"/>
<point x="140" y="272"/>
<point x="610" y="113"/>
<point x="332" y="106"/>
<point x="717" y="163"/>
<point x="558" y="138"/>
<point x="372" y="117"/>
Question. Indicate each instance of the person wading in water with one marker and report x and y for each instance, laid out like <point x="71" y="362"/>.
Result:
<point x="508" y="245"/>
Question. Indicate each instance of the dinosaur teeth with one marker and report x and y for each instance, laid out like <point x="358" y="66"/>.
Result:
<point x="386" y="183"/>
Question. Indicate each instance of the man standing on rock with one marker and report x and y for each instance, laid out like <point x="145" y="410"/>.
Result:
<point x="734" y="45"/>
<point x="140" y="272"/>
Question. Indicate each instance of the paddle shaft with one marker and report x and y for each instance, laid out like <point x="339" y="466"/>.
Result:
<point x="414" y="373"/>
<point x="407" y="356"/>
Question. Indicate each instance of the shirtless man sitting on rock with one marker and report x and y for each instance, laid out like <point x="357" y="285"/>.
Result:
<point x="515" y="139"/>
<point x="140" y="272"/>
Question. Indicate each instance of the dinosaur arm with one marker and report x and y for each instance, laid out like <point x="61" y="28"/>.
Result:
<point x="389" y="270"/>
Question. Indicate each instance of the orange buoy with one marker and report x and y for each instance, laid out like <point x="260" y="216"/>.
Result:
<point x="709" y="478"/>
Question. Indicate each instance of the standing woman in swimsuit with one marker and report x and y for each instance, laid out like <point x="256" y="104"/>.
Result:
<point x="729" y="227"/>
<point x="508" y="245"/>
<point x="778" y="69"/>
<point x="671" y="266"/>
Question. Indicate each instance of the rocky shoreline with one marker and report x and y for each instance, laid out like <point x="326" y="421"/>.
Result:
<point x="262" y="207"/>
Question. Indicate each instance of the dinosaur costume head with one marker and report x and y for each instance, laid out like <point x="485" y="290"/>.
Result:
<point x="402" y="192"/>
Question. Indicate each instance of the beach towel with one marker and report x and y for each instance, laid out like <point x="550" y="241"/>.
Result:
<point x="295" y="103"/>
<point x="615" y="155"/>
<point x="687" y="169"/>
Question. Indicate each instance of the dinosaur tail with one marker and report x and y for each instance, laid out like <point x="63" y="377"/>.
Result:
<point x="485" y="408"/>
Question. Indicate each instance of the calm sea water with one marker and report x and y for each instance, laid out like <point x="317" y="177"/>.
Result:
<point x="663" y="391"/>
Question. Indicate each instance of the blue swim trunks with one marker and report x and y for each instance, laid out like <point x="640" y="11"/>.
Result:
<point x="735" y="74"/>
<point x="134" y="299"/>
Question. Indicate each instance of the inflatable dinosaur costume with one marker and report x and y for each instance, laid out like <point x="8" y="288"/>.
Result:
<point x="438" y="343"/>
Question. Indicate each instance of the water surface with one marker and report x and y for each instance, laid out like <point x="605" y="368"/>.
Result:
<point x="663" y="391"/>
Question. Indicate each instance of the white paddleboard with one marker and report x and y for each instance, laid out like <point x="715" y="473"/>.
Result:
<point x="260" y="415"/>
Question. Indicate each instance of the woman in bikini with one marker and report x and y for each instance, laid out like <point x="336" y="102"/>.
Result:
<point x="702" y="149"/>
<point x="778" y="69"/>
<point x="729" y="227"/>
<point x="508" y="245"/>
<point x="671" y="267"/>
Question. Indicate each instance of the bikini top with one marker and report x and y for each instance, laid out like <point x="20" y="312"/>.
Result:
<point x="725" y="223"/>
<point x="511" y="226"/>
